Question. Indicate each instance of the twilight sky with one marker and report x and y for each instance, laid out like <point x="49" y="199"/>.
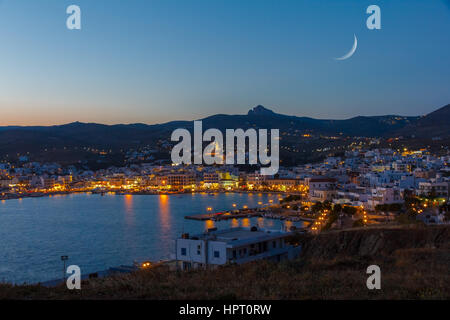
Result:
<point x="153" y="61"/>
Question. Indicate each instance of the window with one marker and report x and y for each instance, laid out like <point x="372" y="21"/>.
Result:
<point x="183" y="251"/>
<point x="274" y="244"/>
<point x="216" y="254"/>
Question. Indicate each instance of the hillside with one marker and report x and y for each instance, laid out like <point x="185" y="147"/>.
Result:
<point x="305" y="140"/>
<point x="433" y="125"/>
<point x="76" y="142"/>
<point x="261" y="117"/>
<point x="414" y="263"/>
<point x="100" y="135"/>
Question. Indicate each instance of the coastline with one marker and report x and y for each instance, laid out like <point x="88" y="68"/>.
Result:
<point x="128" y="222"/>
<point x="19" y="196"/>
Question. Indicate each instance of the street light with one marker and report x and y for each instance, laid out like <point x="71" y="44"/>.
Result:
<point x="64" y="259"/>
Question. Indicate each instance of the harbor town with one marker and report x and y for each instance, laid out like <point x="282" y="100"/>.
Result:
<point x="362" y="187"/>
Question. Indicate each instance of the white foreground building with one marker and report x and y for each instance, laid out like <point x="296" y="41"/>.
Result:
<point x="235" y="245"/>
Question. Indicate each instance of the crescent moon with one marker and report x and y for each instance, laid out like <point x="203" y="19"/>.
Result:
<point x="351" y="52"/>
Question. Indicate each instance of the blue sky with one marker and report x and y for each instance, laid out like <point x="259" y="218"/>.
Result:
<point x="155" y="61"/>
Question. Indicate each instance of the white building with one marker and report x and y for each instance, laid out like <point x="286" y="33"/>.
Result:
<point x="322" y="195"/>
<point x="381" y="196"/>
<point x="440" y="189"/>
<point x="431" y="217"/>
<point x="235" y="245"/>
<point x="321" y="188"/>
<point x="320" y="182"/>
<point x="255" y="179"/>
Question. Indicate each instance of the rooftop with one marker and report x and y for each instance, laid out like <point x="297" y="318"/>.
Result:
<point x="240" y="236"/>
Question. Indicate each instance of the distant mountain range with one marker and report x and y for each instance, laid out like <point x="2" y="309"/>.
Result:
<point x="14" y="139"/>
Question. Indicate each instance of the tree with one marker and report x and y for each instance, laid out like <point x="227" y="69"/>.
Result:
<point x="411" y="201"/>
<point x="334" y="215"/>
<point x="337" y="208"/>
<point x="432" y="195"/>
<point x="349" y="210"/>
<point x="406" y="218"/>
<point x="327" y="205"/>
<point x="290" y="198"/>
<point x="318" y="206"/>
<point x="395" y="207"/>
<point x="358" y="223"/>
<point x="447" y="216"/>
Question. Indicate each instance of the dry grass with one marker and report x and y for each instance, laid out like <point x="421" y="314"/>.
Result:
<point x="406" y="273"/>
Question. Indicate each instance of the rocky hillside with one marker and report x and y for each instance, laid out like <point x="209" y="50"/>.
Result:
<point x="373" y="242"/>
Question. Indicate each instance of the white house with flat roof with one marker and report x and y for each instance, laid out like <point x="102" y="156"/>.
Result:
<point x="234" y="245"/>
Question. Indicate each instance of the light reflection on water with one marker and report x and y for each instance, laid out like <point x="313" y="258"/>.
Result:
<point x="98" y="232"/>
<point x="129" y="213"/>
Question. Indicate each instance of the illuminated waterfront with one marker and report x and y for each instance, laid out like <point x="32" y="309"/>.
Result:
<point x="98" y="232"/>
